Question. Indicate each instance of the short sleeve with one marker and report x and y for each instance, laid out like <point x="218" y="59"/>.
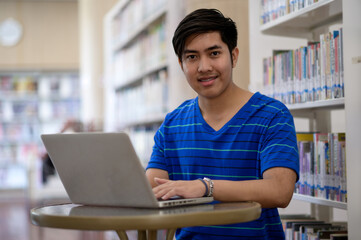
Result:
<point x="157" y="159"/>
<point x="279" y="147"/>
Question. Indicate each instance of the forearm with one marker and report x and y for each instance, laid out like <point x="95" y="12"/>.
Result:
<point x="152" y="173"/>
<point x="274" y="190"/>
<point x="262" y="191"/>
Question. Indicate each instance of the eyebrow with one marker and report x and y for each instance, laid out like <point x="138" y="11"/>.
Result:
<point x="214" y="47"/>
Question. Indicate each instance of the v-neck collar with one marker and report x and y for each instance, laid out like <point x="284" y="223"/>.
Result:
<point x="235" y="120"/>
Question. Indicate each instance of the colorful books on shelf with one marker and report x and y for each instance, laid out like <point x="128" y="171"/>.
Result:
<point x="309" y="73"/>
<point x="322" y="165"/>
<point x="273" y="9"/>
<point x="30" y="102"/>
<point x="29" y="97"/>
<point x="18" y="85"/>
<point x="299" y="227"/>
<point x="146" y="54"/>
<point x="143" y="103"/>
<point x="328" y="234"/>
<point x="31" y="85"/>
<point x="132" y="17"/>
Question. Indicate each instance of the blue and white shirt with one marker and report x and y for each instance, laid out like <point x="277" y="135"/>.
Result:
<point x="259" y="137"/>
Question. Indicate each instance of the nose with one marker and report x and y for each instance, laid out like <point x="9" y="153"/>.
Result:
<point x="204" y="65"/>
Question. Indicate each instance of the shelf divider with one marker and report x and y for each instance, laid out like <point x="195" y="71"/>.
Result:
<point x="331" y="103"/>
<point x="320" y="201"/>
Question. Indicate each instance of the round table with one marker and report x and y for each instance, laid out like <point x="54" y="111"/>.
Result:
<point x="146" y="221"/>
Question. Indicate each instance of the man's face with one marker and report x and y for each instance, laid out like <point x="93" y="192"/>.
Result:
<point x="207" y="64"/>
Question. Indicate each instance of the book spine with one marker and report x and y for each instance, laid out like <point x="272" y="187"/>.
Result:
<point x="327" y="66"/>
<point x="304" y="67"/>
<point x="323" y="67"/>
<point x="341" y="65"/>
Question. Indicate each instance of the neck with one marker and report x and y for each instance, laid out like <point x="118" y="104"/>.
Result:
<point x="223" y="102"/>
<point x="217" y="112"/>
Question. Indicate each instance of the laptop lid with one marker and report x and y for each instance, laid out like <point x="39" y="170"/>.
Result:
<point x="103" y="169"/>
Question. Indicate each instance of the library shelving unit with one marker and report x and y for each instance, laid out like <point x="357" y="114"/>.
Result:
<point x="141" y="75"/>
<point x="32" y="103"/>
<point x="308" y="22"/>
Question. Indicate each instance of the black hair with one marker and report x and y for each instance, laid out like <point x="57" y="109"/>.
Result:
<point x="203" y="21"/>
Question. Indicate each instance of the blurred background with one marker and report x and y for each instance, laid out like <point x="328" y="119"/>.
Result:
<point x="90" y="65"/>
<point x="84" y="65"/>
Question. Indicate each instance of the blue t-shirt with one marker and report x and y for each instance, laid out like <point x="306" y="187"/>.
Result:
<point x="260" y="136"/>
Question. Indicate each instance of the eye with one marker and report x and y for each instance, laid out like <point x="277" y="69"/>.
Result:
<point x="215" y="53"/>
<point x="191" y="57"/>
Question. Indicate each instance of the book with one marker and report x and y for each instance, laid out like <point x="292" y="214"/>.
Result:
<point x="294" y="217"/>
<point x="311" y="72"/>
<point x="340" y="62"/>
<point x="289" y="232"/>
<point x="339" y="236"/>
<point x="323" y="64"/>
<point x="326" y="234"/>
<point x="281" y="72"/>
<point x="322" y="170"/>
<point x="336" y="85"/>
<point x="268" y="82"/>
<point x="308" y="73"/>
<point x="317" y="78"/>
<point x="297" y="225"/>
<point x="328" y="56"/>
<point x="338" y="167"/>
<point x="341" y="166"/>
<point x="307" y="230"/>
<point x="305" y="184"/>
<point x="322" y="156"/>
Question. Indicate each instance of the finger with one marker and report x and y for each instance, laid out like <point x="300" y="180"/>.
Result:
<point x="165" y="191"/>
<point x="167" y="194"/>
<point x="162" y="189"/>
<point x="160" y="181"/>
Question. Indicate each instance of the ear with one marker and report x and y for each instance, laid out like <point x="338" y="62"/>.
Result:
<point x="235" y="53"/>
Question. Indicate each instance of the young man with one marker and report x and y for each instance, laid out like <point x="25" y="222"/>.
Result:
<point x="227" y="142"/>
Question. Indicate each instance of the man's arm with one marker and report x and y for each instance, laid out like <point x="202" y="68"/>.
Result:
<point x="153" y="173"/>
<point x="274" y="190"/>
<point x="159" y="180"/>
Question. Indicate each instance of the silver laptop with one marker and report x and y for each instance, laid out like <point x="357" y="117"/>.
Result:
<point x="103" y="169"/>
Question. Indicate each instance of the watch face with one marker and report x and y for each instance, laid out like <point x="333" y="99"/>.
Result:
<point x="10" y="32"/>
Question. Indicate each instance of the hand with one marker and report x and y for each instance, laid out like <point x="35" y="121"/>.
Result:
<point x="186" y="189"/>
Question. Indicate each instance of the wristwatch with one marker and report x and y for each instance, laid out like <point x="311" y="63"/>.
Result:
<point x="211" y="185"/>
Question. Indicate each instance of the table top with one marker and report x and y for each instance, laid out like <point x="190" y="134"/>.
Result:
<point x="72" y="216"/>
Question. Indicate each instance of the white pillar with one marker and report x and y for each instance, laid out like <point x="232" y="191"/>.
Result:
<point x="91" y="59"/>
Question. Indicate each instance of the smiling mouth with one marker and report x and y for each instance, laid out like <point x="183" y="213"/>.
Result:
<point x="207" y="79"/>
